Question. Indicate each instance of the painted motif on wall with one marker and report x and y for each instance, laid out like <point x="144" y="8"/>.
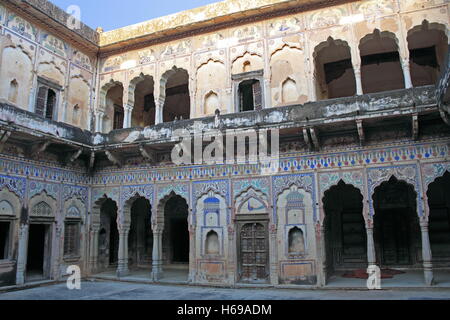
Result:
<point x="112" y="64"/>
<point x="212" y="40"/>
<point x="54" y="44"/>
<point x="37" y="187"/>
<point x="22" y="27"/>
<point x="82" y="60"/>
<point x="285" y="26"/>
<point x="247" y="33"/>
<point x="327" y="17"/>
<point x="146" y="56"/>
<point x="375" y="8"/>
<point x="179" y="48"/>
<point x="14" y="184"/>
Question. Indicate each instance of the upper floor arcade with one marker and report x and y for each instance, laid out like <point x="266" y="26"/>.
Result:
<point x="302" y="57"/>
<point x="347" y="50"/>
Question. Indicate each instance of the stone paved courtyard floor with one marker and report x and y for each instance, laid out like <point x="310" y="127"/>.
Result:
<point x="130" y="291"/>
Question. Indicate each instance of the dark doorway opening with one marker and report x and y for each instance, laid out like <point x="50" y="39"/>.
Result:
<point x="345" y="231"/>
<point x="439" y="223"/>
<point x="176" y="231"/>
<point x="108" y="236"/>
<point x="177" y="104"/>
<point x="4" y="239"/>
<point x="37" y="240"/>
<point x="180" y="234"/>
<point x="140" y="238"/>
<point x="396" y="225"/>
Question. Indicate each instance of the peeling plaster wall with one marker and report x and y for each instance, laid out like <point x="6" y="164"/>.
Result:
<point x="282" y="47"/>
<point x="28" y="52"/>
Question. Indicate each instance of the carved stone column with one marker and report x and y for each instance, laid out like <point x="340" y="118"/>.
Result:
<point x="128" y="110"/>
<point x="192" y="262"/>
<point x="371" y="253"/>
<point x="57" y="252"/>
<point x="359" y="86"/>
<point x="320" y="238"/>
<point x="407" y="73"/>
<point x="231" y="265"/>
<point x="22" y="254"/>
<point x="159" y="104"/>
<point x="122" y="268"/>
<point x="99" y="121"/>
<point x="157" y="254"/>
<point x="93" y="251"/>
<point x="273" y="250"/>
<point x="426" y="254"/>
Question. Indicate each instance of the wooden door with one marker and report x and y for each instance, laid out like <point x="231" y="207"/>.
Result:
<point x="254" y="252"/>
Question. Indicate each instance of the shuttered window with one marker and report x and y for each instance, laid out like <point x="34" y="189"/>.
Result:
<point x="45" y="102"/>
<point x="257" y="95"/>
<point x="250" y="95"/>
<point x="72" y="239"/>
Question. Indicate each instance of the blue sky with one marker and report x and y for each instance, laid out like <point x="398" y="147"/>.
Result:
<point x="113" y="14"/>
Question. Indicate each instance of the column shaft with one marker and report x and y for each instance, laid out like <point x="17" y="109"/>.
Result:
<point x="426" y="254"/>
<point x="157" y="256"/>
<point x="122" y="268"/>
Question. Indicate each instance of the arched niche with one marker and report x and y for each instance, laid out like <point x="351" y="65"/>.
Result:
<point x="294" y="208"/>
<point x="211" y="216"/>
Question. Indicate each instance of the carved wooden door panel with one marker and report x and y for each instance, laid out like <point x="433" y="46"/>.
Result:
<point x="254" y="253"/>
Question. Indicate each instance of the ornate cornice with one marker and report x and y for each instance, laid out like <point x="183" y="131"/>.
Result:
<point x="138" y="41"/>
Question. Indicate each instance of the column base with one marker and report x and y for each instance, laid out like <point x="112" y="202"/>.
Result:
<point x="20" y="280"/>
<point x="122" y="272"/>
<point x="428" y="275"/>
<point x="156" y="276"/>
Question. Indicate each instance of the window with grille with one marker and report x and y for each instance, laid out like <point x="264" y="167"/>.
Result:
<point x="72" y="239"/>
<point x="47" y="99"/>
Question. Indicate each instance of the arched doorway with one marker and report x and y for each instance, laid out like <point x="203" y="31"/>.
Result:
<point x="144" y="110"/>
<point x="108" y="238"/>
<point x="345" y="231"/>
<point x="140" y="237"/>
<point x="396" y="225"/>
<point x="439" y="221"/>
<point x="175" y="239"/>
<point x="334" y="70"/>
<point x="177" y="103"/>
<point x="381" y="69"/>
<point x="428" y="46"/>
